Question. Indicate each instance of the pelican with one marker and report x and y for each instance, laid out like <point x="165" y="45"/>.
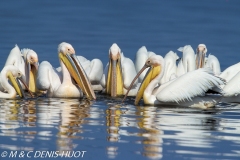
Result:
<point x="170" y="71"/>
<point x="31" y="67"/>
<point x="200" y="55"/>
<point x="188" y="60"/>
<point x="118" y="73"/>
<point x="27" y="62"/>
<point x="232" y="90"/>
<point x="230" y="72"/>
<point x="180" y="68"/>
<point x="186" y="90"/>
<point x="202" y="61"/>
<point x="141" y="56"/>
<point x="213" y="63"/>
<point x="94" y="71"/>
<point x="13" y="74"/>
<point x="70" y="82"/>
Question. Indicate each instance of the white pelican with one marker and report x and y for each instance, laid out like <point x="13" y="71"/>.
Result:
<point x="27" y="62"/>
<point x="180" y="68"/>
<point x="230" y="72"/>
<point x="31" y="67"/>
<point x="170" y="58"/>
<point x="188" y="59"/>
<point x="70" y="82"/>
<point x="200" y="56"/>
<point x="213" y="63"/>
<point x="170" y="66"/>
<point x="232" y="90"/>
<point x="186" y="90"/>
<point x="202" y="61"/>
<point x="141" y="56"/>
<point x="94" y="71"/>
<point x="118" y="73"/>
<point x="13" y="74"/>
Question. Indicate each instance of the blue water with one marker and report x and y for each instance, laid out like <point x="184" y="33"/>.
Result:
<point x="105" y="128"/>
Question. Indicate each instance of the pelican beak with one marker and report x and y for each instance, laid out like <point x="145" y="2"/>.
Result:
<point x="17" y="85"/>
<point x="200" y="58"/>
<point x="150" y="75"/>
<point x="32" y="76"/>
<point x="152" y="72"/>
<point x="114" y="85"/>
<point x="77" y="72"/>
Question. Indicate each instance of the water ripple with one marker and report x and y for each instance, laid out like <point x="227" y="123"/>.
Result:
<point x="153" y="132"/>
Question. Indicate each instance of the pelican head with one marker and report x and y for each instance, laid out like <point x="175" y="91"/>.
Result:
<point x="200" y="57"/>
<point x="68" y="57"/>
<point x="114" y="85"/>
<point x="15" y="77"/>
<point x="155" y="63"/>
<point x="31" y="59"/>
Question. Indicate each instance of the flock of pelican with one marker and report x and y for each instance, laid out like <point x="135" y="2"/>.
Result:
<point x="194" y="80"/>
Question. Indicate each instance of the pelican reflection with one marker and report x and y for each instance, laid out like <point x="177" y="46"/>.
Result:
<point x="151" y="131"/>
<point x="14" y="115"/>
<point x="68" y="115"/>
<point x="113" y="114"/>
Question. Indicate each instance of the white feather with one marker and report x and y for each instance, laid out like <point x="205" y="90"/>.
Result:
<point x="180" y="68"/>
<point x="180" y="49"/>
<point x="128" y="71"/>
<point x="189" y="85"/>
<point x="213" y="63"/>
<point x="230" y="72"/>
<point x="170" y="66"/>
<point x="232" y="88"/>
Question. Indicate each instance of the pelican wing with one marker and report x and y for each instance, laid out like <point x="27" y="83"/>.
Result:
<point x="170" y="66"/>
<point x="104" y="76"/>
<point x="230" y="72"/>
<point x="232" y="88"/>
<point x="93" y="69"/>
<point x="213" y="63"/>
<point x="128" y="71"/>
<point x="85" y="64"/>
<point x="15" y="58"/>
<point x="141" y="57"/>
<point x="180" y="68"/>
<point x="96" y="71"/>
<point x="189" y="85"/>
<point x="47" y="74"/>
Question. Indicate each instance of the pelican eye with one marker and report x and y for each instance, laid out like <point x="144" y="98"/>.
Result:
<point x="19" y="74"/>
<point x="148" y="63"/>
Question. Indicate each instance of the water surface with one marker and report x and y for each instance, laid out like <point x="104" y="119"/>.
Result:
<point x="109" y="129"/>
